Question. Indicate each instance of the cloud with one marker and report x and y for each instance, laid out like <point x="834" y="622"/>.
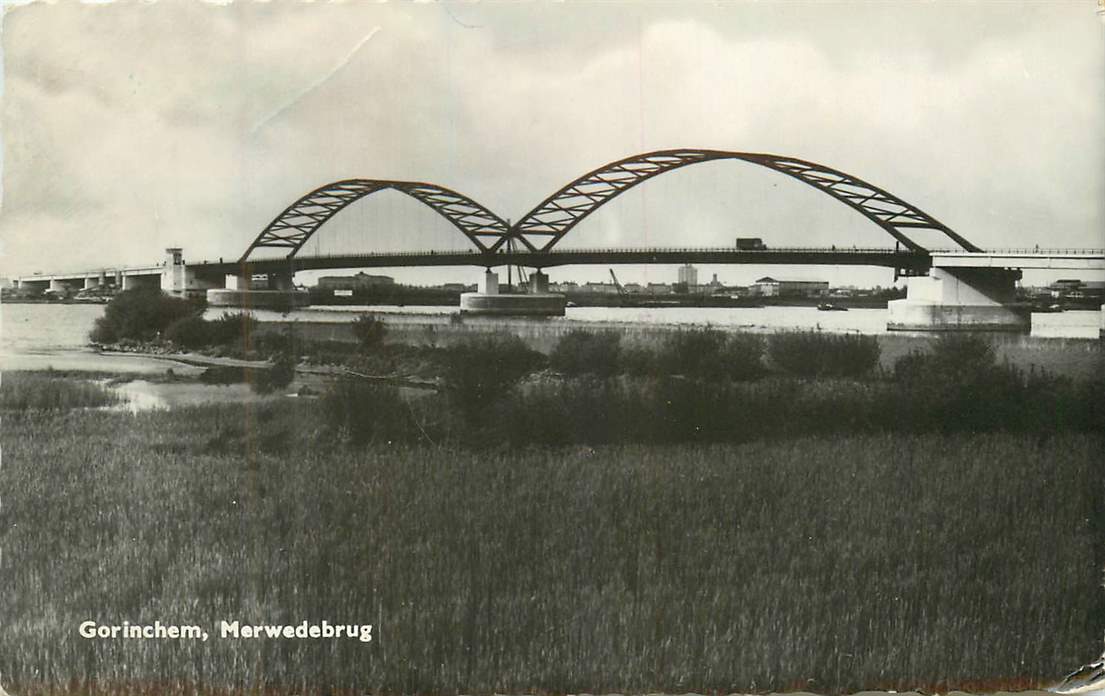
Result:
<point x="130" y="127"/>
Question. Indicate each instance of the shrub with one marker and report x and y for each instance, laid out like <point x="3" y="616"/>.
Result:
<point x="369" y="331"/>
<point x="190" y="332"/>
<point x="742" y="356"/>
<point x="140" y="314"/>
<point x="951" y="360"/>
<point x="275" y="345"/>
<point x="958" y="384"/>
<point x="816" y="354"/>
<point x="708" y="353"/>
<point x="582" y="352"/>
<point x="233" y="329"/>
<point x="276" y="377"/>
<point x="693" y="352"/>
<point x="478" y="370"/>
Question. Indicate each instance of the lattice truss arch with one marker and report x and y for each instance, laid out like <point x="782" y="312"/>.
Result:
<point x="545" y="225"/>
<point x="298" y="222"/>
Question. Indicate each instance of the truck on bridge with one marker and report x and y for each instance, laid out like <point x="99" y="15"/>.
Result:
<point x="750" y="244"/>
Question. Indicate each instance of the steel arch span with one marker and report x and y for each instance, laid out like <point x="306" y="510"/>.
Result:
<point x="544" y="226"/>
<point x="298" y="222"/>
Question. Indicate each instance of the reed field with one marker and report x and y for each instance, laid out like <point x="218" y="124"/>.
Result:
<point x="22" y="391"/>
<point x="829" y="564"/>
<point x="710" y="512"/>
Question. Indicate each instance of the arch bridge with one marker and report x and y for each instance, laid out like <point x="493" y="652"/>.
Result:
<point x="959" y="288"/>
<point x="543" y="227"/>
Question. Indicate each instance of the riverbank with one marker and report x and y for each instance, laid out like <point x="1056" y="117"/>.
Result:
<point x="1070" y="357"/>
<point x="671" y="511"/>
<point x="1076" y="358"/>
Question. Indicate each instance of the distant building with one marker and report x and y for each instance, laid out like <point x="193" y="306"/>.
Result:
<point x="658" y="289"/>
<point x="688" y="275"/>
<point x="603" y="288"/>
<point x="771" y="287"/>
<point x="565" y="287"/>
<point x="354" y="282"/>
<point x="457" y="287"/>
<point x="1077" y="289"/>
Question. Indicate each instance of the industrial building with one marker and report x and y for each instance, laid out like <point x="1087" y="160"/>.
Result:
<point x="771" y="287"/>
<point x="354" y="282"/>
<point x="1077" y="289"/>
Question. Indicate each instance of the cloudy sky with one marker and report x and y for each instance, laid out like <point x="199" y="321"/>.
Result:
<point x="129" y="127"/>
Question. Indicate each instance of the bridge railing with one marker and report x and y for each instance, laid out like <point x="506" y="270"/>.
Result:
<point x="621" y="250"/>
<point x="1033" y="251"/>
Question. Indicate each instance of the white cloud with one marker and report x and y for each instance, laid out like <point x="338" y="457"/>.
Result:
<point x="129" y="128"/>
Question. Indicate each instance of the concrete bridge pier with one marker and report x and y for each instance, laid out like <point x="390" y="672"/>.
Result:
<point x="539" y="283"/>
<point x="537" y="302"/>
<point x="489" y="283"/>
<point x="960" y="299"/>
<point x="283" y="280"/>
<point x="277" y="292"/>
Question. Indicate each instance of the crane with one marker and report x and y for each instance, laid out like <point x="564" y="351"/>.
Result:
<point x="621" y="290"/>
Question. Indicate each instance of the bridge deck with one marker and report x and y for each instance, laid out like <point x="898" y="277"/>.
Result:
<point x="914" y="261"/>
<point x="889" y="258"/>
<point x="1054" y="259"/>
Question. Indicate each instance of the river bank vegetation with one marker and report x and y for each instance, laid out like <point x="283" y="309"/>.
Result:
<point x="829" y="564"/>
<point x="32" y="391"/>
<point x="711" y="512"/>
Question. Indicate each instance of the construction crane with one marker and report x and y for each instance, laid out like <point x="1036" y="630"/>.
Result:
<point x="523" y="280"/>
<point x="621" y="290"/>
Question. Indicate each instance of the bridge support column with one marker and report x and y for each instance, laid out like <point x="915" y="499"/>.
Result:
<point x="535" y="303"/>
<point x="960" y="299"/>
<point x="278" y="293"/>
<point x="91" y="282"/>
<point x="283" y="280"/>
<point x="489" y="283"/>
<point x="538" y="283"/>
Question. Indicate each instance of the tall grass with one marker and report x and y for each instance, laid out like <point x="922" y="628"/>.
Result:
<point x="31" y="391"/>
<point x="935" y="561"/>
<point x="581" y="352"/>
